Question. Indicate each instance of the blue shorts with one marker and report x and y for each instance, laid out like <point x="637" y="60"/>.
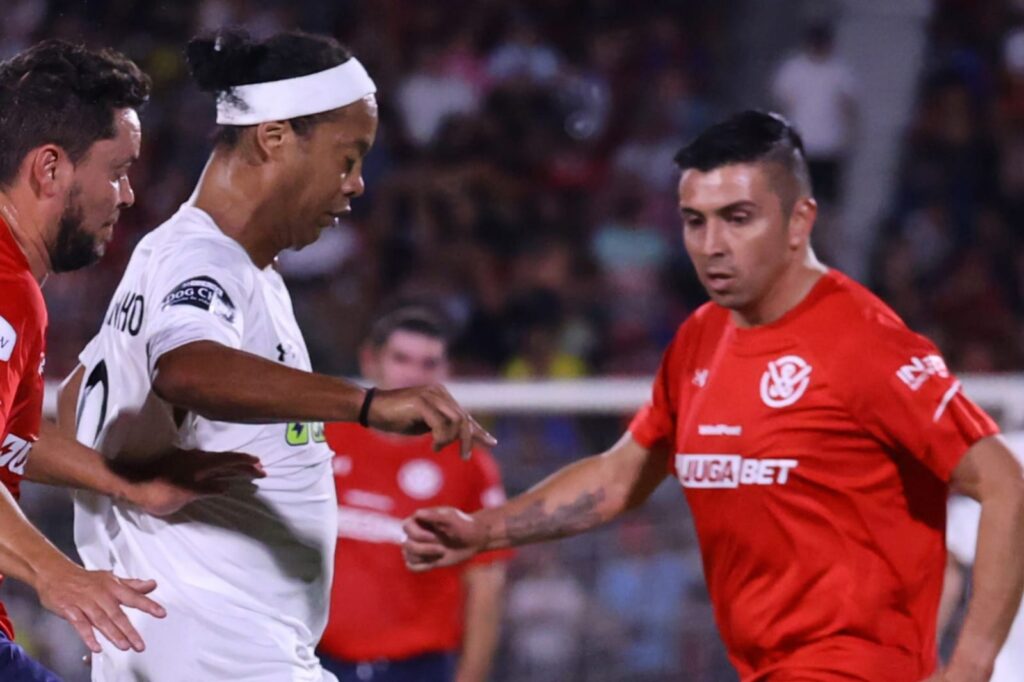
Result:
<point x="432" y="667"/>
<point x="17" y="666"/>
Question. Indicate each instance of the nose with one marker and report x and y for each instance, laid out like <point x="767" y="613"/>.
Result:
<point x="352" y="185"/>
<point x="125" y="193"/>
<point x="714" y="239"/>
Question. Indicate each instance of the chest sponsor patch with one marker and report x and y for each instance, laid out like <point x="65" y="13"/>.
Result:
<point x="369" y="526"/>
<point x="731" y="471"/>
<point x="8" y="339"/>
<point x="785" y="381"/>
<point x="204" y="293"/>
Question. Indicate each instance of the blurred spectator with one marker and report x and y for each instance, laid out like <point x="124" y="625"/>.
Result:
<point x="817" y="91"/>
<point x="547" y="619"/>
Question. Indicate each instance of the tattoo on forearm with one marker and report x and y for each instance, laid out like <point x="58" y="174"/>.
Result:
<point x="534" y="523"/>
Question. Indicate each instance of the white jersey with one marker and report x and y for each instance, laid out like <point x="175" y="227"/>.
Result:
<point x="245" y="576"/>
<point x="962" y="538"/>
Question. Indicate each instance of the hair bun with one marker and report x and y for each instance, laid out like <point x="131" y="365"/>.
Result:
<point x="223" y="60"/>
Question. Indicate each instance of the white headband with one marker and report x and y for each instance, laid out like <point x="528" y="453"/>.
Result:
<point x="339" y="86"/>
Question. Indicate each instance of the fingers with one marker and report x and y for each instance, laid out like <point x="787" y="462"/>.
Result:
<point x="131" y="592"/>
<point x="81" y="625"/>
<point x="116" y="627"/>
<point x="139" y="585"/>
<point x="417" y="532"/>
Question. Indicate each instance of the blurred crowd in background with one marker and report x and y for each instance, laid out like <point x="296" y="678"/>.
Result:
<point x="523" y="180"/>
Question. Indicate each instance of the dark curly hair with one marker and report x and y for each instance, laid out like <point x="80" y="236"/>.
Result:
<point x="60" y="93"/>
<point x="231" y="57"/>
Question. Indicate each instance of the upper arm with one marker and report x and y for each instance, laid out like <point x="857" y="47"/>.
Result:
<point x="634" y="469"/>
<point x="67" y="402"/>
<point x="987" y="467"/>
<point x="196" y="295"/>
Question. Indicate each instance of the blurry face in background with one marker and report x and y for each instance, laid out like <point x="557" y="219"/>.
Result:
<point x="737" y="232"/>
<point x="324" y="171"/>
<point x="99" y="190"/>
<point x="406" y="359"/>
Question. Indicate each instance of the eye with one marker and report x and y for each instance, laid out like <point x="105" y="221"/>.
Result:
<point x="739" y="217"/>
<point x="692" y="222"/>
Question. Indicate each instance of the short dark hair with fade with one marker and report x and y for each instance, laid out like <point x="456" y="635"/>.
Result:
<point x="749" y="137"/>
<point x="418" y="318"/>
<point x="65" y="94"/>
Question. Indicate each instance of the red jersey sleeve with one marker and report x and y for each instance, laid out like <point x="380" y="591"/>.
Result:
<point x="897" y="385"/>
<point x="655" y="422"/>
<point x="14" y="344"/>
<point x="486" y="491"/>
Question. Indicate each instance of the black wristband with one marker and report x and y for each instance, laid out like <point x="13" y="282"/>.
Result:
<point x="364" y="411"/>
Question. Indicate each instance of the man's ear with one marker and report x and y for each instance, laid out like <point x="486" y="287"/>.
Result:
<point x="271" y="137"/>
<point x="49" y="170"/>
<point x="368" y="361"/>
<point x="801" y="221"/>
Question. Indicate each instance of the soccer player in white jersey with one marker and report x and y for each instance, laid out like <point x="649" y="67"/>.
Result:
<point x="200" y="348"/>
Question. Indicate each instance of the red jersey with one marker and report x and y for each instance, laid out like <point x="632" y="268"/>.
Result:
<point x="380" y="609"/>
<point x="22" y="347"/>
<point x="815" y="454"/>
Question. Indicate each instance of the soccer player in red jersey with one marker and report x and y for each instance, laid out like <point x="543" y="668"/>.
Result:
<point x="815" y="438"/>
<point x="388" y="624"/>
<point x="69" y="130"/>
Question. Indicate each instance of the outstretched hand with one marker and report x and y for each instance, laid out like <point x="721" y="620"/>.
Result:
<point x="167" y="484"/>
<point x="441" y="536"/>
<point x="94" y="600"/>
<point x="428" y="409"/>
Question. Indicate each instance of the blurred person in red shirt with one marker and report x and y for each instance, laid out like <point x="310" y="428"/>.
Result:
<point x="386" y="623"/>
<point x="815" y="437"/>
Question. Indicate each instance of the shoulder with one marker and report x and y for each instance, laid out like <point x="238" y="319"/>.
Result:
<point x="21" y="301"/>
<point x="190" y="239"/>
<point x="858" y="335"/>
<point x="709" y="320"/>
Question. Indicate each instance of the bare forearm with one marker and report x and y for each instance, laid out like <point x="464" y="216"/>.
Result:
<point x="59" y="460"/>
<point x="484" y="589"/>
<point x="230" y="385"/>
<point x="576" y="498"/>
<point x="997" y="585"/>
<point x="25" y="553"/>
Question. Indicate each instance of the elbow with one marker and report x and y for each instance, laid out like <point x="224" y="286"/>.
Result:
<point x="175" y="383"/>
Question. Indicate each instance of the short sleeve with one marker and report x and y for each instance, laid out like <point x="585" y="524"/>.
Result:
<point x="486" y="491"/>
<point x="655" y="422"/>
<point x="17" y="338"/>
<point x="197" y="294"/>
<point x="897" y="385"/>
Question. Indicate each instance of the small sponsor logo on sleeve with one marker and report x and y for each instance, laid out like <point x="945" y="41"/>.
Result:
<point x="204" y="293"/>
<point x="8" y="339"/>
<point x="916" y="372"/>
<point x="14" y="454"/>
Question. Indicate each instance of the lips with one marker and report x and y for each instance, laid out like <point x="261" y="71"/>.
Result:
<point x="719" y="281"/>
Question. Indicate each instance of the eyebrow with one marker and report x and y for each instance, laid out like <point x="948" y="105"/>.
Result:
<point x="737" y="205"/>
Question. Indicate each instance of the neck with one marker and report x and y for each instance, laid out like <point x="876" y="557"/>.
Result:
<point x="27" y="231"/>
<point x="232" y="190"/>
<point x="785" y="294"/>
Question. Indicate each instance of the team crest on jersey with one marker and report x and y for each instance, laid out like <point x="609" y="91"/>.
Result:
<point x="420" y="479"/>
<point x="785" y="381"/>
<point x="204" y="293"/>
<point x="8" y="339"/>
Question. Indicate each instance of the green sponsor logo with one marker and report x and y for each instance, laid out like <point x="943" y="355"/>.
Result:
<point x="300" y="433"/>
